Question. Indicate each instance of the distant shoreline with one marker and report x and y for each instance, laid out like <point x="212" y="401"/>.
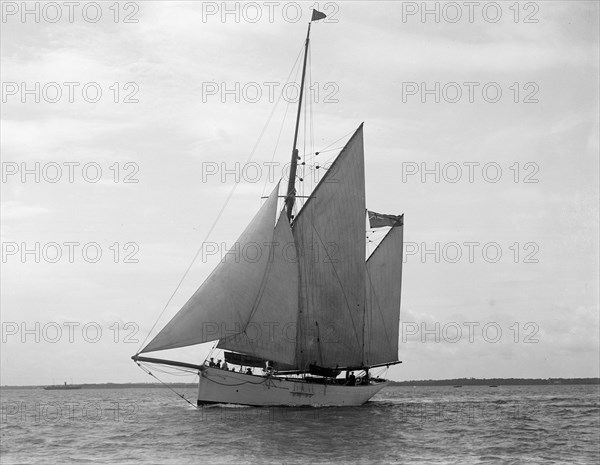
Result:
<point x="457" y="382"/>
<point x="497" y="382"/>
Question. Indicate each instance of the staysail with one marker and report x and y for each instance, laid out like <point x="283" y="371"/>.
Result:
<point x="270" y="332"/>
<point x="224" y="302"/>
<point x="329" y="233"/>
<point x="383" y="291"/>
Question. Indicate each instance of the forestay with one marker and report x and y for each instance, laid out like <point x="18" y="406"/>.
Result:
<point x="224" y="303"/>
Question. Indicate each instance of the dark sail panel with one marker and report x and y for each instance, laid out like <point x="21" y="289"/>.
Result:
<point x="244" y="360"/>
<point x="326" y="372"/>
<point x="256" y="362"/>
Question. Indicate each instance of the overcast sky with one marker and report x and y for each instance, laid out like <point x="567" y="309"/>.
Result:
<point x="527" y="187"/>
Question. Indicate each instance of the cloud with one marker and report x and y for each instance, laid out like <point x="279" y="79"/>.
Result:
<point x="12" y="210"/>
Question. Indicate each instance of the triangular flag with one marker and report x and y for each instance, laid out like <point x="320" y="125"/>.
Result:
<point x="317" y="15"/>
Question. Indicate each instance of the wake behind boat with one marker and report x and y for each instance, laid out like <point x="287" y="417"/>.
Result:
<point x="309" y="307"/>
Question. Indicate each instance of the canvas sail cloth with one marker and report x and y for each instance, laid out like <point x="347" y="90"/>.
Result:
<point x="271" y="328"/>
<point x="311" y="299"/>
<point x="329" y="234"/>
<point x="240" y="288"/>
<point x="383" y="291"/>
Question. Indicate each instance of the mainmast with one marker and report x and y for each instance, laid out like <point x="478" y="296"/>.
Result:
<point x="291" y="190"/>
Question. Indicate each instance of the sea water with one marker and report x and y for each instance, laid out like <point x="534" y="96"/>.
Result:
<point x="547" y="424"/>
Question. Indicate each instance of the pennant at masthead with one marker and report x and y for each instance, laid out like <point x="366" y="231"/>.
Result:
<point x="317" y="15"/>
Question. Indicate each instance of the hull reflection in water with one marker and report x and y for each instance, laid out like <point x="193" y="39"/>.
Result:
<point x="228" y="387"/>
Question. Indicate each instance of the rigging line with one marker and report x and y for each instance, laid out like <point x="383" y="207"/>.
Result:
<point x="286" y="111"/>
<point x="238" y="384"/>
<point x="323" y="163"/>
<point x="214" y="224"/>
<point x="327" y="149"/>
<point x="306" y="103"/>
<point x="212" y="350"/>
<point x="166" y="385"/>
<point x="310" y="157"/>
<point x="336" y="141"/>
<point x="310" y="106"/>
<point x="312" y="120"/>
<point x="276" y="146"/>
<point x="303" y="186"/>
<point x="312" y="154"/>
<point x="185" y="371"/>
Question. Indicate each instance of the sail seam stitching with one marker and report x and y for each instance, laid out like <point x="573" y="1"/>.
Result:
<point x="340" y="284"/>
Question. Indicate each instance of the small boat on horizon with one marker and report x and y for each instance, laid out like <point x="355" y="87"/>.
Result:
<point x="61" y="387"/>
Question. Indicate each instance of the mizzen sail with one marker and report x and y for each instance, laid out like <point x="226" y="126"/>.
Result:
<point x="329" y="234"/>
<point x="224" y="302"/>
<point x="383" y="290"/>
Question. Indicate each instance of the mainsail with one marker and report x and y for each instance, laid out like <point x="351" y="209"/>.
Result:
<point x="226" y="300"/>
<point x="329" y="233"/>
<point x="383" y="290"/>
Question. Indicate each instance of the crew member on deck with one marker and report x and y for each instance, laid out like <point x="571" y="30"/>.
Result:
<point x="269" y="367"/>
<point x="212" y="362"/>
<point x="225" y="366"/>
<point x="351" y="379"/>
<point x="248" y="371"/>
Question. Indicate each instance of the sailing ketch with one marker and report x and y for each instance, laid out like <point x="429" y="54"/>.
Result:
<point x="309" y="307"/>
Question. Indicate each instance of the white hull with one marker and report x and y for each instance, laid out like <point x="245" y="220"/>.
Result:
<point x="229" y="387"/>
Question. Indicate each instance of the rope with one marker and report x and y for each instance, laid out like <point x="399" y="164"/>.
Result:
<point x="267" y="380"/>
<point x="166" y="385"/>
<point x="212" y="350"/>
<point x="214" y="224"/>
<point x="239" y="384"/>
<point x="312" y="154"/>
<point x="284" y="114"/>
